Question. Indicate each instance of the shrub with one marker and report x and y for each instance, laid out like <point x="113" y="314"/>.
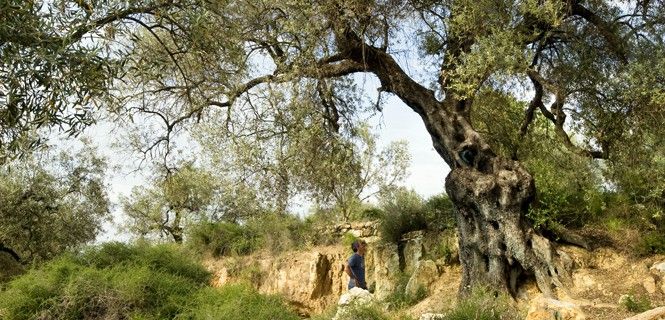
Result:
<point x="224" y="238"/>
<point x="636" y="304"/>
<point x="440" y="213"/>
<point x="112" y="281"/>
<point x="236" y="302"/>
<point x="280" y="233"/>
<point x="363" y="312"/>
<point x="652" y="243"/>
<point x="403" y="212"/>
<point x="483" y="305"/>
<point x="400" y="299"/>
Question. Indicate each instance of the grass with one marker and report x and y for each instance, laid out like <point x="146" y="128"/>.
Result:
<point x="481" y="304"/>
<point x="636" y="304"/>
<point x="120" y="281"/>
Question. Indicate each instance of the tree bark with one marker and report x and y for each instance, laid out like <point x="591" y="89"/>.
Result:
<point x="491" y="194"/>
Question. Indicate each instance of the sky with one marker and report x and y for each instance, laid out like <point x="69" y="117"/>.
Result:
<point x="396" y="122"/>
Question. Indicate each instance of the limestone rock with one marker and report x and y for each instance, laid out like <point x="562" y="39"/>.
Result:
<point x="654" y="314"/>
<point x="357" y="296"/>
<point x="658" y="268"/>
<point x="424" y="274"/>
<point x="432" y="316"/>
<point x="550" y="309"/>
<point x="382" y="269"/>
<point x="583" y="280"/>
<point x="350" y="299"/>
<point x="649" y="284"/>
<point x="413" y="250"/>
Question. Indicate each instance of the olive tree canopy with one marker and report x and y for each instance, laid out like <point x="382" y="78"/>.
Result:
<point x="596" y="67"/>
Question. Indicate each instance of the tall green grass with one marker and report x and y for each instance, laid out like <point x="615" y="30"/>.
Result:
<point x="119" y="281"/>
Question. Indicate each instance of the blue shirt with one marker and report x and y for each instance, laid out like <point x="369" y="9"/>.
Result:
<point x="357" y="264"/>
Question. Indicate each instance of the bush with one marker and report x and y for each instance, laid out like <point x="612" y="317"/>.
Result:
<point x="404" y="212"/>
<point x="280" y="233"/>
<point x="238" y="301"/>
<point x="652" y="243"/>
<point x="440" y="213"/>
<point x="364" y="312"/>
<point x="112" y="281"/>
<point x="636" y="304"/>
<point x="224" y="238"/>
<point x="483" y="305"/>
<point x="400" y="299"/>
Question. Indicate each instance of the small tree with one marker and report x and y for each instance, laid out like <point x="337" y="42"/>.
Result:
<point x="52" y="204"/>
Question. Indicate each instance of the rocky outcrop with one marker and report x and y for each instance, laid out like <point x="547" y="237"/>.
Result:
<point x="313" y="281"/>
<point x="425" y="273"/>
<point x="310" y="281"/>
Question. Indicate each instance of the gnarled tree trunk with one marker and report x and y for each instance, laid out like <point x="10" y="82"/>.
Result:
<point x="491" y="194"/>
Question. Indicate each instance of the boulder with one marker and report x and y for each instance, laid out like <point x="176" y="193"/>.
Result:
<point x="658" y="268"/>
<point x="649" y="284"/>
<point x="653" y="314"/>
<point x="551" y="309"/>
<point x="382" y="269"/>
<point x="424" y="274"/>
<point x="413" y="250"/>
<point x="350" y="299"/>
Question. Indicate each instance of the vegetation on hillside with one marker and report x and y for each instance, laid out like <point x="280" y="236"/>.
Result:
<point x="119" y="281"/>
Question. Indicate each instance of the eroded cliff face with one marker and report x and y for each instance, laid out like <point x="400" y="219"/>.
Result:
<point x="313" y="279"/>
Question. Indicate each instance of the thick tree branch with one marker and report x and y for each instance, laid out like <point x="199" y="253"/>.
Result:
<point x="10" y="252"/>
<point x="392" y="77"/>
<point x="606" y="29"/>
<point x="556" y="115"/>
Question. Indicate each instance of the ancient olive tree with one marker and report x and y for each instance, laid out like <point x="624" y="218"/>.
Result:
<point x="580" y="65"/>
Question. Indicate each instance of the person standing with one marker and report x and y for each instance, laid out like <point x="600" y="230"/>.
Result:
<point x="355" y="266"/>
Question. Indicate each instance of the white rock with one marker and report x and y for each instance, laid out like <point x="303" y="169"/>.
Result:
<point x="649" y="284"/>
<point x="659" y="267"/>
<point x="355" y="295"/>
<point x="351" y="298"/>
<point x="424" y="274"/>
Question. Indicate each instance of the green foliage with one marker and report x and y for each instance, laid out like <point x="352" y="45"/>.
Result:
<point x="636" y="304"/>
<point x="348" y="239"/>
<point x="281" y="233"/>
<point x="171" y="202"/>
<point x="483" y="305"/>
<point x="49" y="76"/>
<point x="236" y="302"/>
<point x="403" y="212"/>
<point x="114" y="280"/>
<point x="223" y="238"/>
<point x="271" y="232"/>
<point x="440" y="213"/>
<point x="399" y="298"/>
<point x="49" y="204"/>
<point x="364" y="312"/>
<point x="652" y="243"/>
